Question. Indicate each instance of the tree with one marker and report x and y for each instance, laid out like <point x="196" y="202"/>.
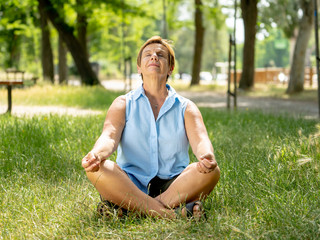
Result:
<point x="82" y="24"/>
<point x="215" y="37"/>
<point x="198" y="46"/>
<point x="249" y="15"/>
<point x="283" y="13"/>
<point x="296" y="79"/>
<point x="116" y="30"/>
<point x="12" y="21"/>
<point x="13" y="45"/>
<point x="63" y="68"/>
<point x="46" y="49"/>
<point x="80" y="58"/>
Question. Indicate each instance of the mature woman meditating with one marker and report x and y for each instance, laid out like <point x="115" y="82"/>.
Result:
<point x="151" y="129"/>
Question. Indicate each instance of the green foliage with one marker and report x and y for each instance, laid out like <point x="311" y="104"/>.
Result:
<point x="283" y="13"/>
<point x="270" y="52"/>
<point x="116" y="30"/>
<point x="215" y="49"/>
<point x="213" y="14"/>
<point x="19" y="35"/>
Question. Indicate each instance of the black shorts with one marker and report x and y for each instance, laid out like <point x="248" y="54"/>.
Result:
<point x="157" y="185"/>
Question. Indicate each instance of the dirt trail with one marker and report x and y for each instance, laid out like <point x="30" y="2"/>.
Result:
<point x="29" y="111"/>
<point x="305" y="109"/>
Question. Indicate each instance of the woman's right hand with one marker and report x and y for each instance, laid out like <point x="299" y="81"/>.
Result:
<point x="91" y="162"/>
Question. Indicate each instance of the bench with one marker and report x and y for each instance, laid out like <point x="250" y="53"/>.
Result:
<point x="12" y="80"/>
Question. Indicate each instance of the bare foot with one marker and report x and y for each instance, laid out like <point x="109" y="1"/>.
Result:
<point x="197" y="211"/>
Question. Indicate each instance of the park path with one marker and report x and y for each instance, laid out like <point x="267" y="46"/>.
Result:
<point x="30" y="111"/>
<point x="295" y="108"/>
<point x="305" y="109"/>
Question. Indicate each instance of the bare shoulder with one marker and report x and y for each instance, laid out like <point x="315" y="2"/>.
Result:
<point x="192" y="110"/>
<point x="119" y="103"/>
<point x="116" y="113"/>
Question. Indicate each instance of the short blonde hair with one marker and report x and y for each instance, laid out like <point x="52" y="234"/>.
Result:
<point x="164" y="42"/>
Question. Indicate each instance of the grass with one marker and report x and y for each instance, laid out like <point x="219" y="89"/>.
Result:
<point x="279" y="91"/>
<point x="97" y="97"/>
<point x="269" y="186"/>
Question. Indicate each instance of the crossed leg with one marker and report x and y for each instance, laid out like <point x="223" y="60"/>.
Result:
<point x="114" y="185"/>
<point x="191" y="185"/>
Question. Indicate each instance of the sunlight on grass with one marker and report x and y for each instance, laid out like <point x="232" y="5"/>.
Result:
<point x="269" y="187"/>
<point x="70" y="96"/>
<point x="264" y="190"/>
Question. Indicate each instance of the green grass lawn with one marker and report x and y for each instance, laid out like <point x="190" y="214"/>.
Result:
<point x="269" y="186"/>
<point x="97" y="97"/>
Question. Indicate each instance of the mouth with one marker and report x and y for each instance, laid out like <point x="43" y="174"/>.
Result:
<point x="153" y="65"/>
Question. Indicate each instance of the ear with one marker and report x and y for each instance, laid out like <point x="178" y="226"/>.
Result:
<point x="171" y="70"/>
<point x="139" y="69"/>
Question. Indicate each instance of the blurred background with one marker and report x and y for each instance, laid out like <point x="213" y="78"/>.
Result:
<point x="96" y="41"/>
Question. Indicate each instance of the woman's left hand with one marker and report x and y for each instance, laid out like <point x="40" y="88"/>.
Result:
<point x="207" y="163"/>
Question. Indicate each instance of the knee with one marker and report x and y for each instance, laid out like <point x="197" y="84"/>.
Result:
<point x="105" y="166"/>
<point x="216" y="174"/>
<point x="211" y="177"/>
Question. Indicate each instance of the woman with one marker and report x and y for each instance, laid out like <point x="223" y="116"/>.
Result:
<point x="152" y="128"/>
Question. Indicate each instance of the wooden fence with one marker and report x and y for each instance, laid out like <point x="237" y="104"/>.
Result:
<point x="278" y="75"/>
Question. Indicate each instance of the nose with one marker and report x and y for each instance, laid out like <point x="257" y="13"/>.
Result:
<point x="154" y="57"/>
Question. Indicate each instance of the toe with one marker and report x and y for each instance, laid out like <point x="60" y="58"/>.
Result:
<point x="197" y="211"/>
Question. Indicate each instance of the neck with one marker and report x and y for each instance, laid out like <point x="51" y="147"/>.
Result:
<point x="156" y="94"/>
<point x="155" y="87"/>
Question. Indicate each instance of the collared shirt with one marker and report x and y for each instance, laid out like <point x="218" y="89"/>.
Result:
<point x="150" y="147"/>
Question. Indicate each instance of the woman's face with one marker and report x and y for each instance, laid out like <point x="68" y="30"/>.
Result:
<point x="155" y="61"/>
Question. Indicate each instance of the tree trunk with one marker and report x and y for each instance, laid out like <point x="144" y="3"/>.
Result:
<point x="12" y="61"/>
<point x="199" y="36"/>
<point x="87" y="75"/>
<point x="249" y="15"/>
<point x="82" y="24"/>
<point x="46" y="50"/>
<point x="296" y="79"/>
<point x="63" y="68"/>
<point x="292" y="43"/>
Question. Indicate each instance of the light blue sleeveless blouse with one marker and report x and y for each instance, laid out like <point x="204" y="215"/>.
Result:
<point x="150" y="147"/>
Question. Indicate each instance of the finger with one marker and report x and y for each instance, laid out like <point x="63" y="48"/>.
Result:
<point x="210" y="164"/>
<point x="87" y="161"/>
<point x="208" y="156"/>
<point x="206" y="163"/>
<point x="90" y="159"/>
<point x="93" y="167"/>
<point x="202" y="168"/>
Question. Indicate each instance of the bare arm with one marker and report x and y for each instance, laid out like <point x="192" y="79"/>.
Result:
<point x="198" y="139"/>
<point x="109" y="139"/>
